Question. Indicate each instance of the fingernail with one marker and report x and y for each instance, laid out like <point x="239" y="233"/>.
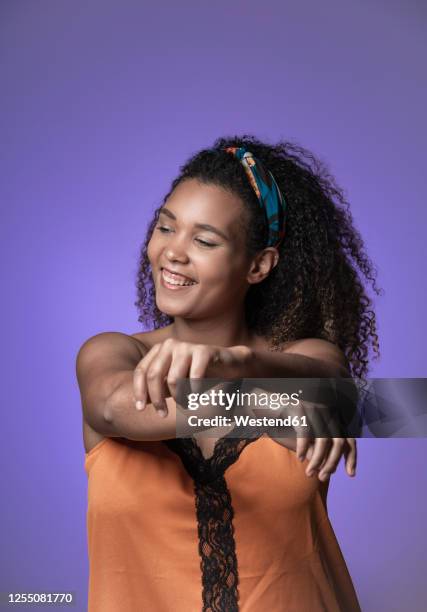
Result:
<point x="310" y="473"/>
<point x="140" y="405"/>
<point x="162" y="413"/>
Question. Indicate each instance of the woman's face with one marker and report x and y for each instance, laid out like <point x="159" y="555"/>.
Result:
<point x="200" y="237"/>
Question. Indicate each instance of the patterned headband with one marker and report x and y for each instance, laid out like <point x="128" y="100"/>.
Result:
<point x="267" y="191"/>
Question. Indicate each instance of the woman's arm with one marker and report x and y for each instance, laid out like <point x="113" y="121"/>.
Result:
<point x="307" y="358"/>
<point x="105" y="369"/>
<point x="312" y="358"/>
<point x="105" y="366"/>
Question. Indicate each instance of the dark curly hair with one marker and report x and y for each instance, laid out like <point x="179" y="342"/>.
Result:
<point x="315" y="291"/>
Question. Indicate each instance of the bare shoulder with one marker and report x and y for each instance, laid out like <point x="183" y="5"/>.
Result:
<point x="109" y="341"/>
<point x="149" y="338"/>
<point x="102" y="353"/>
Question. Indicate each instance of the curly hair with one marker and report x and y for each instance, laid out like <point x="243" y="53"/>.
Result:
<point x="315" y="290"/>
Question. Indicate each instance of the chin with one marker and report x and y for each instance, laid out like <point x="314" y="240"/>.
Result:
<point x="171" y="310"/>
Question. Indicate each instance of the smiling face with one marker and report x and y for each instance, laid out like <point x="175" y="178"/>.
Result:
<point x="199" y="236"/>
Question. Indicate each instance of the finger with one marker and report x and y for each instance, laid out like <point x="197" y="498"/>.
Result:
<point x="331" y="422"/>
<point x="302" y="447"/>
<point x="321" y="446"/>
<point x="331" y="463"/>
<point x="298" y="428"/>
<point x="156" y="379"/>
<point x="350" y="454"/>
<point x="320" y="422"/>
<point x="202" y="357"/>
<point x="311" y="451"/>
<point x="139" y="377"/>
<point x="181" y="361"/>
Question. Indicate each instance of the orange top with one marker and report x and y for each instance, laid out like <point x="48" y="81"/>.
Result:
<point x="244" y="531"/>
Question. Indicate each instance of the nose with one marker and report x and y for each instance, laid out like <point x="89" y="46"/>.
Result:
<point x="176" y="251"/>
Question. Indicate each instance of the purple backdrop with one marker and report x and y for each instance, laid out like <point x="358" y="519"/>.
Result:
<point x="101" y="102"/>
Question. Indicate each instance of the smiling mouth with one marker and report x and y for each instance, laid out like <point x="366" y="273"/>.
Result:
<point x="172" y="281"/>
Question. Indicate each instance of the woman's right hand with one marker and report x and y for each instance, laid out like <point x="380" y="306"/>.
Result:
<point x="157" y="374"/>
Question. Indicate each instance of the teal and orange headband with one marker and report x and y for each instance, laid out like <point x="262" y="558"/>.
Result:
<point x="267" y="191"/>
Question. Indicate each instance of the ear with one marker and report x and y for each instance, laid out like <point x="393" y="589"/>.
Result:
<point x="262" y="264"/>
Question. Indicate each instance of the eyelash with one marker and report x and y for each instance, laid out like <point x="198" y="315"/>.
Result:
<point x="166" y="230"/>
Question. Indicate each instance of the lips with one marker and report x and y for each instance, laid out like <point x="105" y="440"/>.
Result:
<point x="176" y="275"/>
<point x="174" y="282"/>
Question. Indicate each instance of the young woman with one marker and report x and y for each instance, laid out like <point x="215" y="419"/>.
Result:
<point x="250" y="268"/>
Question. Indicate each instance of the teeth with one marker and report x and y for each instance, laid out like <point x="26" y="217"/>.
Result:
<point x="172" y="280"/>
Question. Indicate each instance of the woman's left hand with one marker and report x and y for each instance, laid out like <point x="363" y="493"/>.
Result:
<point x="324" y="455"/>
<point x="170" y="360"/>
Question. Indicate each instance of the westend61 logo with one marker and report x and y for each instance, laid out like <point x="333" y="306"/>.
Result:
<point x="223" y="399"/>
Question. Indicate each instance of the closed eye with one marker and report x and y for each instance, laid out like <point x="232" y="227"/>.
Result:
<point x="166" y="230"/>
<point x="210" y="244"/>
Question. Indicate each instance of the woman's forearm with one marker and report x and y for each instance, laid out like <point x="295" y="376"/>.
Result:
<point x="271" y="364"/>
<point x="125" y="421"/>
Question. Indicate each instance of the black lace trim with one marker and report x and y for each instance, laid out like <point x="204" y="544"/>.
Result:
<point x="217" y="547"/>
<point x="215" y="514"/>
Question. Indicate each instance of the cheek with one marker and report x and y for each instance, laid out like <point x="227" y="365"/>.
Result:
<point x="221" y="274"/>
<point x="152" y="249"/>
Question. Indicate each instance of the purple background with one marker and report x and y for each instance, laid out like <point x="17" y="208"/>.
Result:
<point x="101" y="102"/>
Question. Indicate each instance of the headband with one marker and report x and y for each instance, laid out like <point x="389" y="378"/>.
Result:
<point x="267" y="191"/>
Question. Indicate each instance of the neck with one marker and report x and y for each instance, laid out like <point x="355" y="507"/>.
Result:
<point x="230" y="330"/>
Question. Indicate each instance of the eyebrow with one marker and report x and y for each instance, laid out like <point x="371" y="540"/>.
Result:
<point x="205" y="226"/>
